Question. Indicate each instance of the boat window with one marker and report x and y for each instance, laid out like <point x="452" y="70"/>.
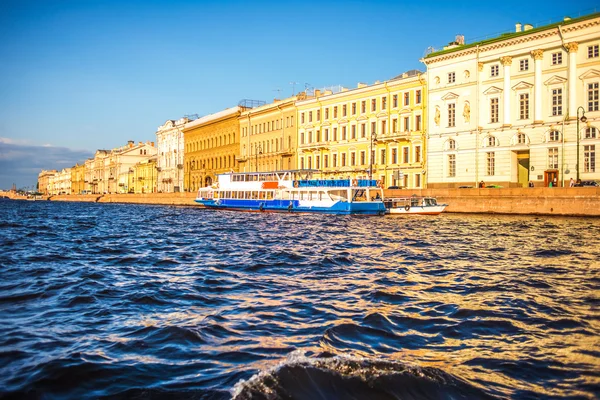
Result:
<point x="261" y="195"/>
<point x="269" y="195"/>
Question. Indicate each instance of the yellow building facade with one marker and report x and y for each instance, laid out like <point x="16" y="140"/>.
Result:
<point x="269" y="137"/>
<point x="78" y="179"/>
<point x="212" y="146"/>
<point x="143" y="176"/>
<point x="374" y="131"/>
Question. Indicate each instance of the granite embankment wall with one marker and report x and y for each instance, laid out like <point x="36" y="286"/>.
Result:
<point x="176" y="199"/>
<point x="542" y="201"/>
<point x="584" y="201"/>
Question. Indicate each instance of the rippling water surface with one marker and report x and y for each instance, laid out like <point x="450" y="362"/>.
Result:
<point x="126" y="301"/>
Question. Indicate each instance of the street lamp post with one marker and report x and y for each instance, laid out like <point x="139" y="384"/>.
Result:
<point x="257" y="151"/>
<point x="373" y="139"/>
<point x="583" y="119"/>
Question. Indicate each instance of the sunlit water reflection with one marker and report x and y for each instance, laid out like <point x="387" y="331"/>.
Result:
<point x="150" y="301"/>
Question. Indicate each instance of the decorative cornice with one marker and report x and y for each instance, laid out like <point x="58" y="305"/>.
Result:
<point x="593" y="73"/>
<point x="514" y="39"/>
<point x="450" y="96"/>
<point x="522" y="86"/>
<point x="492" y="90"/>
<point x="555" y="80"/>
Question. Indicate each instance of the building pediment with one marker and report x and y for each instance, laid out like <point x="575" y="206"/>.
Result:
<point x="522" y="86"/>
<point x="591" y="74"/>
<point x="450" y="96"/>
<point x="492" y="90"/>
<point x="381" y="114"/>
<point x="555" y="80"/>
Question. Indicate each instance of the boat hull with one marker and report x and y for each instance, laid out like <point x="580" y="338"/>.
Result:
<point x="418" y="210"/>
<point x="294" y="206"/>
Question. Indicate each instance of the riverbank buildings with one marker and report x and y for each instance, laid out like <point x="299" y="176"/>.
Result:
<point x="370" y="132"/>
<point x="269" y="136"/>
<point x="110" y="170"/>
<point x="60" y="183"/>
<point x="43" y="179"/>
<point x="78" y="178"/>
<point x="520" y="107"/>
<point x="142" y="177"/>
<point x="212" y="146"/>
<point x="170" y="148"/>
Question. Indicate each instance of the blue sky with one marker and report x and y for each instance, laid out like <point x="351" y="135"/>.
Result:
<point x="76" y="76"/>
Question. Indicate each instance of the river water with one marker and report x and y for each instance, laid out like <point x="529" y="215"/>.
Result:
<point x="130" y="301"/>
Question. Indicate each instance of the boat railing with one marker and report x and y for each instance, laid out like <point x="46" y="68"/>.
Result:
<point x="336" y="183"/>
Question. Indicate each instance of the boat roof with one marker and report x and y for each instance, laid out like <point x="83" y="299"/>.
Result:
<point x="272" y="172"/>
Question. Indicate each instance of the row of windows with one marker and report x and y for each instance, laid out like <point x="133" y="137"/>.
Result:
<point x="212" y="163"/>
<point x="357" y="131"/>
<point x="350" y="159"/>
<point x="268" y="126"/>
<point x="344" y="110"/>
<point x="556" y="59"/>
<point x="267" y="146"/>
<point x="593" y="104"/>
<point x="589" y="161"/>
<point x="521" y="138"/>
<point x="210" y="143"/>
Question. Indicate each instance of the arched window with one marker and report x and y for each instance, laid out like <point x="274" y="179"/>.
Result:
<point x="591" y="133"/>
<point x="451" y="144"/>
<point x="521" y="138"/>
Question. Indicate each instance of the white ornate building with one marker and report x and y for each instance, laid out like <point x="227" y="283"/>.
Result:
<point x="170" y="146"/>
<point x="60" y="183"/>
<point x="109" y="170"/>
<point x="506" y="110"/>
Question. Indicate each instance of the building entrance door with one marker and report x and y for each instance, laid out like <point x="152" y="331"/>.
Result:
<point x="523" y="168"/>
<point x="551" y="175"/>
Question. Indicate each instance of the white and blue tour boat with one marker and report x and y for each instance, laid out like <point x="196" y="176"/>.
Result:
<point x="293" y="191"/>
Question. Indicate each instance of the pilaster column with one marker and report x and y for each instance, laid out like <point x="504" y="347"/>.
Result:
<point x="506" y="62"/>
<point x="572" y="49"/>
<point x="537" y="55"/>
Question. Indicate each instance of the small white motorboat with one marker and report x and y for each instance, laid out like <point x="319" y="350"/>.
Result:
<point x="414" y="205"/>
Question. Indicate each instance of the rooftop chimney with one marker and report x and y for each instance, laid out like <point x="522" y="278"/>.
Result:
<point x="317" y="92"/>
<point x="528" y="27"/>
<point x="518" y="27"/>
